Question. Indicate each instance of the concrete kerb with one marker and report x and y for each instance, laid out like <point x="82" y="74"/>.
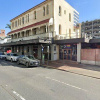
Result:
<point x="71" y="72"/>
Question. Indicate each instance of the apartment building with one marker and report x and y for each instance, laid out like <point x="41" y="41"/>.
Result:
<point x="35" y="30"/>
<point x="91" y="28"/>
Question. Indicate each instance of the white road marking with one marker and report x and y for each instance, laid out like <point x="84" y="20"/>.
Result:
<point x="66" y="84"/>
<point x="18" y="95"/>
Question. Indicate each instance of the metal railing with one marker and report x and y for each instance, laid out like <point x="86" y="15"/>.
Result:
<point x="64" y="36"/>
<point x="42" y="35"/>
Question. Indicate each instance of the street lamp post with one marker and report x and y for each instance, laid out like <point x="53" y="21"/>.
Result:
<point x="42" y="54"/>
<point x="48" y="53"/>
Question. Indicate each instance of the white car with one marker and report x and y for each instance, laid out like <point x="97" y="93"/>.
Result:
<point x="2" y="55"/>
<point x="12" y="57"/>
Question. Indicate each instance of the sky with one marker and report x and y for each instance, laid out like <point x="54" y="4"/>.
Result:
<point x="88" y="9"/>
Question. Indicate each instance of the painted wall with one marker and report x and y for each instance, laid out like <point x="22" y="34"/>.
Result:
<point x="63" y="20"/>
<point x="39" y="15"/>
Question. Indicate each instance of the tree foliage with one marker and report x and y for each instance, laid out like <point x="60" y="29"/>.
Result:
<point x="8" y="26"/>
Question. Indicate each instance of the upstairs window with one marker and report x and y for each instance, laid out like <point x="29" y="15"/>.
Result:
<point x="70" y="17"/>
<point x="59" y="29"/>
<point x="47" y="9"/>
<point x="59" y="10"/>
<point x="12" y="24"/>
<point x="23" y="20"/>
<point x="20" y="21"/>
<point x="43" y="11"/>
<point x="28" y="18"/>
<point x="69" y="33"/>
<point x="34" y="14"/>
<point x="15" y="23"/>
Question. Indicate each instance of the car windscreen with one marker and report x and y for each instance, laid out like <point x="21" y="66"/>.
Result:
<point x="21" y="56"/>
<point x="31" y="57"/>
<point x="14" y="55"/>
<point x="2" y="54"/>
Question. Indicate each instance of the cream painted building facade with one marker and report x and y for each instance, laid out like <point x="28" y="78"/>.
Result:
<point x="34" y="31"/>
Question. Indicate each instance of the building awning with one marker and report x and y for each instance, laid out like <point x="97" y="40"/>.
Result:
<point x="26" y="42"/>
<point x="65" y="41"/>
<point x="95" y="40"/>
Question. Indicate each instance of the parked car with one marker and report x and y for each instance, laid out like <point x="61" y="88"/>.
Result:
<point x="12" y="57"/>
<point x="2" y="55"/>
<point x="28" y="60"/>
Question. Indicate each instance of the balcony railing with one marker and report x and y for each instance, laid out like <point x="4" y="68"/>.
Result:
<point x="42" y="35"/>
<point x="60" y="37"/>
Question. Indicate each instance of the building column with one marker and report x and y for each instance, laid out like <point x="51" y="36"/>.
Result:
<point x="24" y="33"/>
<point x="12" y="49"/>
<point x="39" y="30"/>
<point x="17" y="49"/>
<point x="79" y="52"/>
<point x="25" y="50"/>
<point x="54" y="52"/>
<point x="30" y="32"/>
<point x="46" y="28"/>
<point x="17" y="36"/>
<point x="31" y="50"/>
<point x="21" y="34"/>
<point x="21" y="50"/>
<point x="39" y="51"/>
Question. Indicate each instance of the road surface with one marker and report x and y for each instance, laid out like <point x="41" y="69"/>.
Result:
<point x="38" y="83"/>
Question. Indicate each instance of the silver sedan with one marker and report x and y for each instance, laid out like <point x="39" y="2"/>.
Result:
<point x="28" y="61"/>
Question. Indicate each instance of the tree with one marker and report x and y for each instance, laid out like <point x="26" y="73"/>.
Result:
<point x="8" y="26"/>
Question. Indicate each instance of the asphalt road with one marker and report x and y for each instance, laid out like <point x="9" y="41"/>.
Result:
<point x="38" y="83"/>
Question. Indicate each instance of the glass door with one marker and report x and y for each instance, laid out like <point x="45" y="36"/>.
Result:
<point x="67" y="54"/>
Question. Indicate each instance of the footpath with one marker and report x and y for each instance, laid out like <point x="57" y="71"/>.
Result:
<point x="74" y="67"/>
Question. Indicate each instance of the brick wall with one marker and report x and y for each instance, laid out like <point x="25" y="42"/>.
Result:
<point x="90" y="56"/>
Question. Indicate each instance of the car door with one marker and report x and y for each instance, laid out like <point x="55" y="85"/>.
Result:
<point x="7" y="57"/>
<point x="23" y="60"/>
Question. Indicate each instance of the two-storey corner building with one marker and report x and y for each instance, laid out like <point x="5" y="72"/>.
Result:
<point x="31" y="29"/>
<point x="42" y="26"/>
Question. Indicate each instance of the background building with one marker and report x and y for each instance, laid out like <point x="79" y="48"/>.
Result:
<point x="91" y="28"/>
<point x="4" y="39"/>
<point x="2" y="33"/>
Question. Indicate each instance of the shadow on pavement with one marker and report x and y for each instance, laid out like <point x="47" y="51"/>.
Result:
<point x="72" y="65"/>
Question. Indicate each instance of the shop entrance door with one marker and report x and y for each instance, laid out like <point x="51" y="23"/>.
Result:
<point x="67" y="54"/>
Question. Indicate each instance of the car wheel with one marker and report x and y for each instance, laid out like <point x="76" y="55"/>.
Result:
<point x="11" y="60"/>
<point x="27" y="64"/>
<point x="18" y="62"/>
